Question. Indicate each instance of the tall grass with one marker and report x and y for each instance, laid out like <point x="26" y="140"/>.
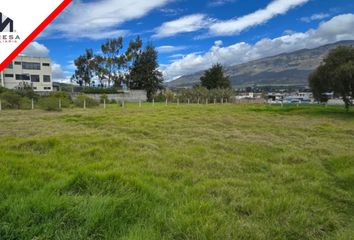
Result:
<point x="177" y="172"/>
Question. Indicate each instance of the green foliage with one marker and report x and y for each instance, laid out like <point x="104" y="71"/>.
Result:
<point x="203" y="94"/>
<point x="92" y="90"/>
<point x="65" y="100"/>
<point x="50" y="103"/>
<point x="25" y="90"/>
<point x="82" y="99"/>
<point x="215" y="78"/>
<point x="336" y="75"/>
<point x="160" y="97"/>
<point x="84" y="68"/>
<point x="145" y="74"/>
<point x="13" y="100"/>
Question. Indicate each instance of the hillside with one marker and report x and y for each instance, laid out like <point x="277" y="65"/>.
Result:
<point x="284" y="69"/>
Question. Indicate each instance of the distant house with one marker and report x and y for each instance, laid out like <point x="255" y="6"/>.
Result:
<point x="36" y="72"/>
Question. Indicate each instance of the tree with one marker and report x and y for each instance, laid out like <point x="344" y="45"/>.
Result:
<point x="215" y="78"/>
<point x="113" y="65"/>
<point x="336" y="75"/>
<point x="144" y="73"/>
<point x="100" y="69"/>
<point x="84" y="68"/>
<point x="112" y="60"/>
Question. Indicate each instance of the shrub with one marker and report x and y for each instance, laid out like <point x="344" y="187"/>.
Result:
<point x="49" y="103"/>
<point x="25" y="103"/>
<point x="25" y="90"/>
<point x="64" y="98"/>
<point x="79" y="102"/>
<point x="160" y="97"/>
<point x="10" y="100"/>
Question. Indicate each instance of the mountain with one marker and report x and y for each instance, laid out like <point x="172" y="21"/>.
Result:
<point x="284" y="69"/>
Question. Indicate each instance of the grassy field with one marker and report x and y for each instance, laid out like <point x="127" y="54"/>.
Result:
<point x="177" y="172"/>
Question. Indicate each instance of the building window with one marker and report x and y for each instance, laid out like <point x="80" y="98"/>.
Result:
<point x="34" y="78"/>
<point x="47" y="88"/>
<point x="18" y="63"/>
<point x="34" y="88"/>
<point x="23" y="77"/>
<point x="31" y="66"/>
<point x="46" y="64"/>
<point x="9" y="75"/>
<point x="10" y="66"/>
<point x="46" y="78"/>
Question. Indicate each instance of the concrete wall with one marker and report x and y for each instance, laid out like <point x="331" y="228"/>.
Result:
<point x="130" y="96"/>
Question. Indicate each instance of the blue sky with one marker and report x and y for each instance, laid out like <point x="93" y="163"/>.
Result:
<point x="191" y="35"/>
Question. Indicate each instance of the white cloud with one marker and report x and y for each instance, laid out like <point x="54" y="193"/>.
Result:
<point x="315" y="17"/>
<point x="217" y="3"/>
<point x="236" y="26"/>
<point x="58" y="73"/>
<point x="196" y="22"/>
<point x="337" y="29"/>
<point x="170" y="49"/>
<point x="35" y="49"/>
<point x="99" y="19"/>
<point x="184" y="24"/>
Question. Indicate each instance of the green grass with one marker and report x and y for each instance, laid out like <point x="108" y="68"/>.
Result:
<point x="177" y="172"/>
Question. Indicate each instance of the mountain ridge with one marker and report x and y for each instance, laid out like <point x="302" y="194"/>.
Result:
<point x="288" y="69"/>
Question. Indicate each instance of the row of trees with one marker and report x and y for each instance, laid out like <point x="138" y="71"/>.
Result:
<point x="135" y="67"/>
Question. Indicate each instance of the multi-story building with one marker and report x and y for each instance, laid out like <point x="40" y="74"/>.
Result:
<point x="35" y="72"/>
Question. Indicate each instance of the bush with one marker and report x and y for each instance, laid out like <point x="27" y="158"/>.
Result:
<point x="64" y="98"/>
<point x="26" y="103"/>
<point x="160" y="97"/>
<point x="49" y="103"/>
<point x="79" y="102"/>
<point x="25" y="90"/>
<point x="10" y="100"/>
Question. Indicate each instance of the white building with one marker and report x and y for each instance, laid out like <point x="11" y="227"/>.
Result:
<point x="36" y="72"/>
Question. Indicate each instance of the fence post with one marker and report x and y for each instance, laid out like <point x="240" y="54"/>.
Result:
<point x="214" y="100"/>
<point x="222" y="100"/>
<point x="206" y="101"/>
<point x="32" y="104"/>
<point x="153" y="102"/>
<point x="84" y="103"/>
<point x="189" y="101"/>
<point x="104" y="103"/>
<point x="59" y="103"/>
<point x="166" y="102"/>
<point x="0" y="105"/>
